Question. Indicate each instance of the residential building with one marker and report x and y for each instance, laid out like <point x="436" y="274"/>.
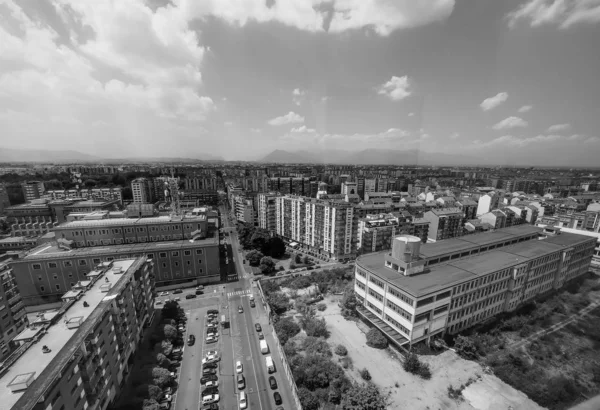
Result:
<point x="376" y="232"/>
<point x="487" y="202"/>
<point x="370" y="185"/>
<point x="416" y="292"/>
<point x="13" y="318"/>
<point x="79" y="356"/>
<point x="596" y="257"/>
<point x="4" y="198"/>
<point x="444" y="223"/>
<point x="468" y="207"/>
<point x="349" y="188"/>
<point x="200" y="183"/>
<point x="143" y="191"/>
<point x="267" y="211"/>
<point x="591" y="220"/>
<point x="32" y="190"/>
<point x="15" y="243"/>
<point x="109" y="194"/>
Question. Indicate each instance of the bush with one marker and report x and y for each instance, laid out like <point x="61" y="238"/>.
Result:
<point x="300" y="282"/>
<point x="170" y="332"/>
<point x="424" y="371"/>
<point x="154" y="392"/>
<point x="376" y="339"/>
<point x="267" y="265"/>
<point x="411" y="363"/>
<point x="286" y="328"/>
<point x="254" y="257"/>
<point x="364" y="373"/>
<point x="341" y="350"/>
<point x="298" y="258"/>
<point x="290" y="349"/>
<point x="346" y="362"/>
<point x="455" y="394"/>
<point x="279" y="302"/>
<point x="322" y="307"/>
<point x="316" y="345"/>
<point x="364" y="397"/>
<point x="317" y="328"/>
<point x="465" y="347"/>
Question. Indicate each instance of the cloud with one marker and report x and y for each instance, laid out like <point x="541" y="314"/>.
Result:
<point x="563" y="13"/>
<point x="510" y="122"/>
<point x="381" y="16"/>
<point x="525" y="108"/>
<point x="228" y="124"/>
<point x="509" y="141"/>
<point x="298" y="96"/>
<point x="289" y="118"/>
<point x="255" y="130"/>
<point x="308" y="136"/>
<point x="303" y="129"/>
<point x="396" y="89"/>
<point x="493" y="102"/>
<point x="559" y="127"/>
<point x="411" y="114"/>
<point x="454" y="135"/>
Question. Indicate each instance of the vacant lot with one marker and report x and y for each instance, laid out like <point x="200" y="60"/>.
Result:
<point x="557" y="369"/>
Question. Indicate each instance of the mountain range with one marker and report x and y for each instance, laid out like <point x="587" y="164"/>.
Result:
<point x="369" y="157"/>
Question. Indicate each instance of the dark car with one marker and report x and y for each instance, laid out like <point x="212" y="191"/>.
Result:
<point x="273" y="382"/>
<point x="252" y="304"/>
<point x="210" y="390"/>
<point x="241" y="382"/>
<point x="212" y="406"/>
<point x="190" y="296"/>
<point x="212" y="365"/>
<point x="209" y="378"/>
<point x="199" y="292"/>
<point x="260" y="336"/>
<point x="191" y="340"/>
<point x="212" y="312"/>
<point x="209" y="372"/>
<point x="176" y="291"/>
<point x="277" y="397"/>
<point x="257" y="327"/>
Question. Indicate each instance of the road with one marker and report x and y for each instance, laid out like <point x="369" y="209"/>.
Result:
<point x="238" y="342"/>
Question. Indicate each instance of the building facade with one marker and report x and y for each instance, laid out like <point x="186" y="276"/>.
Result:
<point x="12" y="310"/>
<point x="444" y="223"/>
<point x="142" y="190"/>
<point x="78" y="357"/>
<point x="267" y="211"/>
<point x="32" y="190"/>
<point x="419" y="291"/>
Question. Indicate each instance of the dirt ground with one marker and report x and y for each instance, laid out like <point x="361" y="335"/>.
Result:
<point x="485" y="392"/>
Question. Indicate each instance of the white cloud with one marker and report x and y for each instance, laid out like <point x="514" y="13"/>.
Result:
<point x="388" y="139"/>
<point x="454" y="135"/>
<point x="525" y="108"/>
<point x="303" y="129"/>
<point x="510" y="122"/>
<point x="228" y="124"/>
<point x="559" y="127"/>
<point x="382" y="16"/>
<point x="509" y="141"/>
<point x="563" y="13"/>
<point x="493" y="102"/>
<point x="289" y="118"/>
<point x="411" y="114"/>
<point x="592" y="140"/>
<point x="255" y="130"/>
<point x="396" y="89"/>
<point x="298" y="96"/>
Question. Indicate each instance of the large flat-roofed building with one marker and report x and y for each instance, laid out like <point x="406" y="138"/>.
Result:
<point x="78" y="356"/>
<point x="418" y="291"/>
<point x="46" y="272"/>
<point x="12" y="310"/>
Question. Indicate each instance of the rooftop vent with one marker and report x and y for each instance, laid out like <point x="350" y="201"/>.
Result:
<point x="21" y="382"/>
<point x="117" y="269"/>
<point x="75" y="322"/>
<point x="105" y="287"/>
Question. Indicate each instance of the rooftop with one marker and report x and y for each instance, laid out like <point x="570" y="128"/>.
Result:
<point x="59" y="339"/>
<point x="128" y="222"/>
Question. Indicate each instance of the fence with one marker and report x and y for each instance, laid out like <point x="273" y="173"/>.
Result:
<point x="284" y="362"/>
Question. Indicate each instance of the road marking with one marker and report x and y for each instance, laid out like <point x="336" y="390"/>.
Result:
<point x="240" y="292"/>
<point x="253" y="368"/>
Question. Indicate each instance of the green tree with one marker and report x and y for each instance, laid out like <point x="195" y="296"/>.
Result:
<point x="306" y="260"/>
<point x="364" y="397"/>
<point x="254" y="257"/>
<point x="275" y="247"/>
<point x="349" y="303"/>
<point x="316" y="345"/>
<point x="259" y="240"/>
<point x="150" y="404"/>
<point x="163" y="361"/>
<point x="279" y="302"/>
<point x="317" y="328"/>
<point x="411" y="363"/>
<point x="170" y="332"/>
<point x="298" y="258"/>
<point x="286" y="328"/>
<point x="308" y="400"/>
<point x="376" y="339"/>
<point x="267" y="265"/>
<point x="167" y="347"/>
<point x="341" y="350"/>
<point x="154" y="392"/>
<point x="466" y="347"/>
<point x="364" y="373"/>
<point x="90" y="183"/>
<point x="162" y="377"/>
<point x="170" y="310"/>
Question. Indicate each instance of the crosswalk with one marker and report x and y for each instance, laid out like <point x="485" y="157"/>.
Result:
<point x="239" y="292"/>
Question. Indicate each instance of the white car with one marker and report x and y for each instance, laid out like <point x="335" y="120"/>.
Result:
<point x="212" y="353"/>
<point x="211" y="398"/>
<point x="238" y="367"/>
<point x="243" y="402"/>
<point x="213" y="334"/>
<point x="210" y="359"/>
<point x="177" y="299"/>
<point x="211" y="339"/>
<point x="163" y="293"/>
<point x="211" y="383"/>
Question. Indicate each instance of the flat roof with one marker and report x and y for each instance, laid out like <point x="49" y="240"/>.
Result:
<point x="18" y="239"/>
<point x="56" y="338"/>
<point x="51" y="251"/>
<point x="451" y="273"/>
<point x="128" y="221"/>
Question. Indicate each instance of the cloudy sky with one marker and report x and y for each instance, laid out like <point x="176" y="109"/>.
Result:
<point x="511" y="81"/>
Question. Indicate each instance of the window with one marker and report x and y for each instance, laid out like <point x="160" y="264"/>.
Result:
<point x="42" y="288"/>
<point x="40" y="278"/>
<point x="68" y="263"/>
<point x="399" y="310"/>
<point x="96" y="261"/>
<point x="199" y="260"/>
<point x="55" y="276"/>
<point x="198" y="251"/>
<point x="176" y="264"/>
<point x="82" y="262"/>
<point x="163" y="254"/>
<point x="164" y="264"/>
<point x="187" y="253"/>
<point x="443" y="295"/>
<point x="375" y="295"/>
<point x="376" y="281"/>
<point x="401" y="296"/>
<point x="57" y="287"/>
<point x="150" y="256"/>
<point x="36" y="266"/>
<point x="424" y="302"/>
<point x="175" y="254"/>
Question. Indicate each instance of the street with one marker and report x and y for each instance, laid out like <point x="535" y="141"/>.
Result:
<point x="238" y="342"/>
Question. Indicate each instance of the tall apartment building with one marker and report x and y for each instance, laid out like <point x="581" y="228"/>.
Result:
<point x="32" y="190"/>
<point x="468" y="207"/>
<point x="444" y="223"/>
<point x="143" y="191"/>
<point x="267" y="211"/>
<point x="12" y="310"/>
<point x="78" y="357"/>
<point x="200" y="183"/>
<point x="487" y="202"/>
<point x="375" y="233"/>
<point x="419" y="291"/>
<point x="4" y="198"/>
<point x="323" y="228"/>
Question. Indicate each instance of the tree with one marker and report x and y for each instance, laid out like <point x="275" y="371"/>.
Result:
<point x="171" y="310"/>
<point x="154" y="392"/>
<point x="286" y="328"/>
<point x="290" y="349"/>
<point x="316" y="345"/>
<point x="364" y="373"/>
<point x="163" y="361"/>
<point x="162" y="377"/>
<point x="150" y="404"/>
<point x="411" y="363"/>
<point x="170" y="332"/>
<point x="341" y="350"/>
<point x="466" y="347"/>
<point x="275" y="247"/>
<point x="298" y="258"/>
<point x="90" y="183"/>
<point x="306" y="260"/>
<point x="267" y="265"/>
<point x="279" y="302"/>
<point x="364" y="397"/>
<point x="317" y="328"/>
<point x="167" y="347"/>
<point x="376" y="339"/>
<point x="308" y="400"/>
<point x="254" y="257"/>
<point x="259" y="239"/>
<point x="349" y="304"/>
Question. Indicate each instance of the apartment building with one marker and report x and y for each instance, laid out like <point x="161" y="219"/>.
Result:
<point x="143" y="191"/>
<point x="32" y="190"/>
<point x="376" y="232"/>
<point x="487" y="202"/>
<point x="109" y="194"/>
<point x="267" y="211"/>
<point x="323" y="228"/>
<point x="468" y="207"/>
<point x="200" y="183"/>
<point x="12" y="310"/>
<point x="419" y="291"/>
<point x="596" y="258"/>
<point x="444" y="223"/>
<point x="78" y="356"/>
<point x="4" y="198"/>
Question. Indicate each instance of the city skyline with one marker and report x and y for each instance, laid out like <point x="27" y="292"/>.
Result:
<point x="510" y="82"/>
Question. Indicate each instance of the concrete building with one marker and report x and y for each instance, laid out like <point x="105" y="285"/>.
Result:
<point x="349" y="188"/>
<point x="142" y="190"/>
<point x="267" y="211"/>
<point x="375" y="233"/>
<point x="4" y="199"/>
<point x="444" y="223"/>
<point x="15" y="243"/>
<point x="109" y="194"/>
<point x="32" y="190"/>
<point x="596" y="257"/>
<point x="13" y="319"/>
<point x="78" y="357"/>
<point x="487" y="202"/>
<point x="416" y="291"/>
<point x="468" y="207"/>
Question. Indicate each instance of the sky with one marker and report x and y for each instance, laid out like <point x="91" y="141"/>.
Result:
<point x="513" y="82"/>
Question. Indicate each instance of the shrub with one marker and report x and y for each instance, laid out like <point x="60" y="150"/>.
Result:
<point x="317" y="328"/>
<point x="341" y="350"/>
<point x="301" y="282"/>
<point x="321" y="307"/>
<point x="290" y="349"/>
<point x="170" y="332"/>
<point x="254" y="257"/>
<point x="455" y="394"/>
<point x="316" y="345"/>
<point x="286" y="328"/>
<point x="376" y="339"/>
<point x="267" y="265"/>
<point x="364" y="373"/>
<point x="346" y="362"/>
<point x="411" y="363"/>
<point x="465" y="347"/>
<point x="298" y="258"/>
<point x="424" y="371"/>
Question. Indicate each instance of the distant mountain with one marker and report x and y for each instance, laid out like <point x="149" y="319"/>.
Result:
<point x="38" y="155"/>
<point x="203" y="157"/>
<point x="370" y="157"/>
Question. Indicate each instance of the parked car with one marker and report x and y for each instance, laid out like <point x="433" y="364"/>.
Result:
<point x="212" y="383"/>
<point x="214" y="406"/>
<point x="277" y="398"/>
<point x="200" y="287"/>
<point x="210" y="390"/>
<point x="213" y="398"/>
<point x="210" y="359"/>
<point x="211" y="365"/>
<point x="208" y="378"/>
<point x="240" y="309"/>
<point x="241" y="381"/>
<point x="199" y="292"/>
<point x="191" y="340"/>
<point x="212" y="332"/>
<point x="208" y="372"/>
<point x="239" y="368"/>
<point x="260" y="336"/>
<point x="252" y="304"/>
<point x="177" y="291"/>
<point x="273" y="382"/>
<point x="211" y="339"/>
<point x="213" y="311"/>
<point x="190" y="296"/>
<point x="164" y="405"/>
<point x="211" y="353"/>
<point x="257" y="327"/>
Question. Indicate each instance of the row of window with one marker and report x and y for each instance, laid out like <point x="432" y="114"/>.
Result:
<point x="399" y="310"/>
<point x="398" y="325"/>
<point x="375" y="295"/>
<point x="137" y="229"/>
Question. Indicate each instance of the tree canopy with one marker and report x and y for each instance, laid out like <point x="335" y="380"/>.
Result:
<point x="254" y="257"/>
<point x="286" y="328"/>
<point x="364" y="397"/>
<point x="267" y="265"/>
